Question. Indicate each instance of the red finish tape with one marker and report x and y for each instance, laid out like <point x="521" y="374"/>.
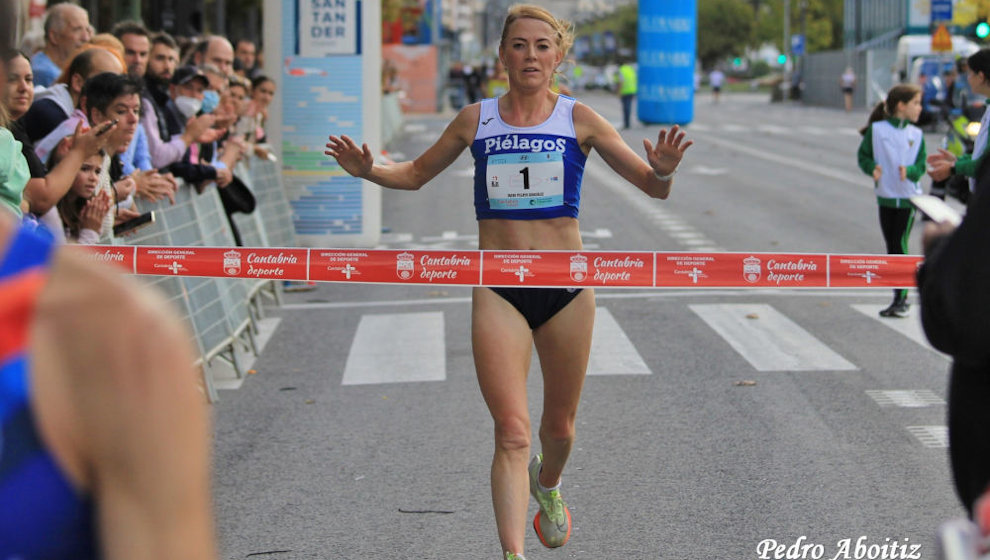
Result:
<point x="614" y="269"/>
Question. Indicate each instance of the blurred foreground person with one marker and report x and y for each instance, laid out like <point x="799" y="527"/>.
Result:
<point x="104" y="445"/>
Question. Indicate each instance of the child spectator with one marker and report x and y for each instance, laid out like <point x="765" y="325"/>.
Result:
<point x="893" y="153"/>
<point x="82" y="210"/>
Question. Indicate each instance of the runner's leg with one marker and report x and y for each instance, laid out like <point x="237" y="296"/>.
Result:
<point x="503" y="343"/>
<point x="564" y="345"/>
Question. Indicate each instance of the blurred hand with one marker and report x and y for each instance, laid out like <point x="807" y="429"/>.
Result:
<point x="153" y="186"/>
<point x="942" y="155"/>
<point x="355" y="161"/>
<point x="171" y="179"/>
<point x="125" y="214"/>
<point x="235" y="148"/>
<point x="933" y="231"/>
<point x="903" y="172"/>
<point x="211" y="135"/>
<point x="939" y="170"/>
<point x="90" y="140"/>
<point x="197" y="126"/>
<point x="224" y="120"/>
<point x="92" y="214"/>
<point x="125" y="187"/>
<point x="262" y="152"/>
<point x="877" y="173"/>
<point x="224" y="177"/>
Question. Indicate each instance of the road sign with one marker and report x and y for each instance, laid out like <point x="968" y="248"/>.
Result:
<point x="942" y="39"/>
<point x="941" y="10"/>
<point x="797" y="44"/>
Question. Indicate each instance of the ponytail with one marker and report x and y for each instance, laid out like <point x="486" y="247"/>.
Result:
<point x="879" y="113"/>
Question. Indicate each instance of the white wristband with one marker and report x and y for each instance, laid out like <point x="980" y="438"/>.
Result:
<point x="665" y="178"/>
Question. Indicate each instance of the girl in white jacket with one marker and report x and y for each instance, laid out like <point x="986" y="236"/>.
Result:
<point x="893" y="153"/>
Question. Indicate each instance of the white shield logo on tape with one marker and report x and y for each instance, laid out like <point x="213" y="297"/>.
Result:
<point x="405" y="266"/>
<point x="579" y="268"/>
<point x="231" y="263"/>
<point x="752" y="269"/>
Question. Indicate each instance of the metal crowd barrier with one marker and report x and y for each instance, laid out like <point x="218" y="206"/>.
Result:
<point x="222" y="313"/>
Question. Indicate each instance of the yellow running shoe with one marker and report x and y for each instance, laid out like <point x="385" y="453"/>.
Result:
<point x="553" y="522"/>
<point x="513" y="556"/>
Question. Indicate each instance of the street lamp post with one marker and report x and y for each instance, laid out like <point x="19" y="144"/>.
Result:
<point x="785" y="83"/>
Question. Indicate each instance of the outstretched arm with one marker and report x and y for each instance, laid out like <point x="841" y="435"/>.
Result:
<point x="654" y="176"/>
<point x="408" y="175"/>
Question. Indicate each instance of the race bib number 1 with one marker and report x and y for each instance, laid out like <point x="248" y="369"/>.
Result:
<point x="530" y="180"/>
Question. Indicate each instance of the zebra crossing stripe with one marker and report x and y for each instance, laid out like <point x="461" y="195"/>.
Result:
<point x="768" y="340"/>
<point x="397" y="348"/>
<point x="612" y="353"/>
<point x="933" y="437"/>
<point x="908" y="326"/>
<point x="919" y="398"/>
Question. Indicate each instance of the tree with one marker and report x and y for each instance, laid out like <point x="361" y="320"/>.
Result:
<point x="725" y="28"/>
<point x="823" y="20"/>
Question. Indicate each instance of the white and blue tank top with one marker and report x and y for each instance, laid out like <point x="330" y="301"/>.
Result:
<point x="527" y="173"/>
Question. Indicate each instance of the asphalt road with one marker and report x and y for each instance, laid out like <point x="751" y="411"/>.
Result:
<point x="697" y="438"/>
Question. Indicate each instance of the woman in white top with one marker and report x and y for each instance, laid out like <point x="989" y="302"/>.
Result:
<point x="848" y="83"/>
<point x="529" y="133"/>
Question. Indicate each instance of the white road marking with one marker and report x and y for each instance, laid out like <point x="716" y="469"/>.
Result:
<point x="387" y="238"/>
<point x="768" y="340"/>
<point x="773" y="129"/>
<point x="397" y="348"/>
<point x="612" y="353"/>
<point x="652" y="211"/>
<point x="909" y="326"/>
<point x="802" y="165"/>
<point x="814" y="130"/>
<point x="906" y="399"/>
<point x="710" y="171"/>
<point x="934" y="437"/>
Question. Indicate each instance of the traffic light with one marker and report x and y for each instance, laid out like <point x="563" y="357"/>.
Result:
<point x="982" y="30"/>
<point x="781" y="59"/>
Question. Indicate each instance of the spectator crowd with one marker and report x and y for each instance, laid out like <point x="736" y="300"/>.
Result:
<point x="95" y="125"/>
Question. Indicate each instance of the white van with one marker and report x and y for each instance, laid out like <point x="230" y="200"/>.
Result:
<point x="910" y="47"/>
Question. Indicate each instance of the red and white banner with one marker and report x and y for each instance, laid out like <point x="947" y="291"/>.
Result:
<point x="612" y="269"/>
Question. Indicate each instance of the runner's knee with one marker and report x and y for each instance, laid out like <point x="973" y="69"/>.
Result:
<point x="512" y="433"/>
<point x="557" y="429"/>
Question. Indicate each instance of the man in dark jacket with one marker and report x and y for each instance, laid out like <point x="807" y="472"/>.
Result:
<point x="955" y="304"/>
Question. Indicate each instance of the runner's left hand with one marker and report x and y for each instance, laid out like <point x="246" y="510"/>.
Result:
<point x="666" y="155"/>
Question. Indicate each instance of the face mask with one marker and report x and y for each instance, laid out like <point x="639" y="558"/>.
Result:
<point x="211" y="100"/>
<point x="188" y="106"/>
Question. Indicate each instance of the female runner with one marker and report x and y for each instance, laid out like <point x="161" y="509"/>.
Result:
<point x="529" y="135"/>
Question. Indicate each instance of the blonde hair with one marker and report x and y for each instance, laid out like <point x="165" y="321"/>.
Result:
<point x="110" y="43"/>
<point x="563" y="28"/>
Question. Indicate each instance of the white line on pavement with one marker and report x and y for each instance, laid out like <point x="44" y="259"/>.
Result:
<point x="397" y="348"/>
<point x="612" y="353"/>
<point x="802" y="165"/>
<point x="768" y="340"/>
<point x="909" y="326"/>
